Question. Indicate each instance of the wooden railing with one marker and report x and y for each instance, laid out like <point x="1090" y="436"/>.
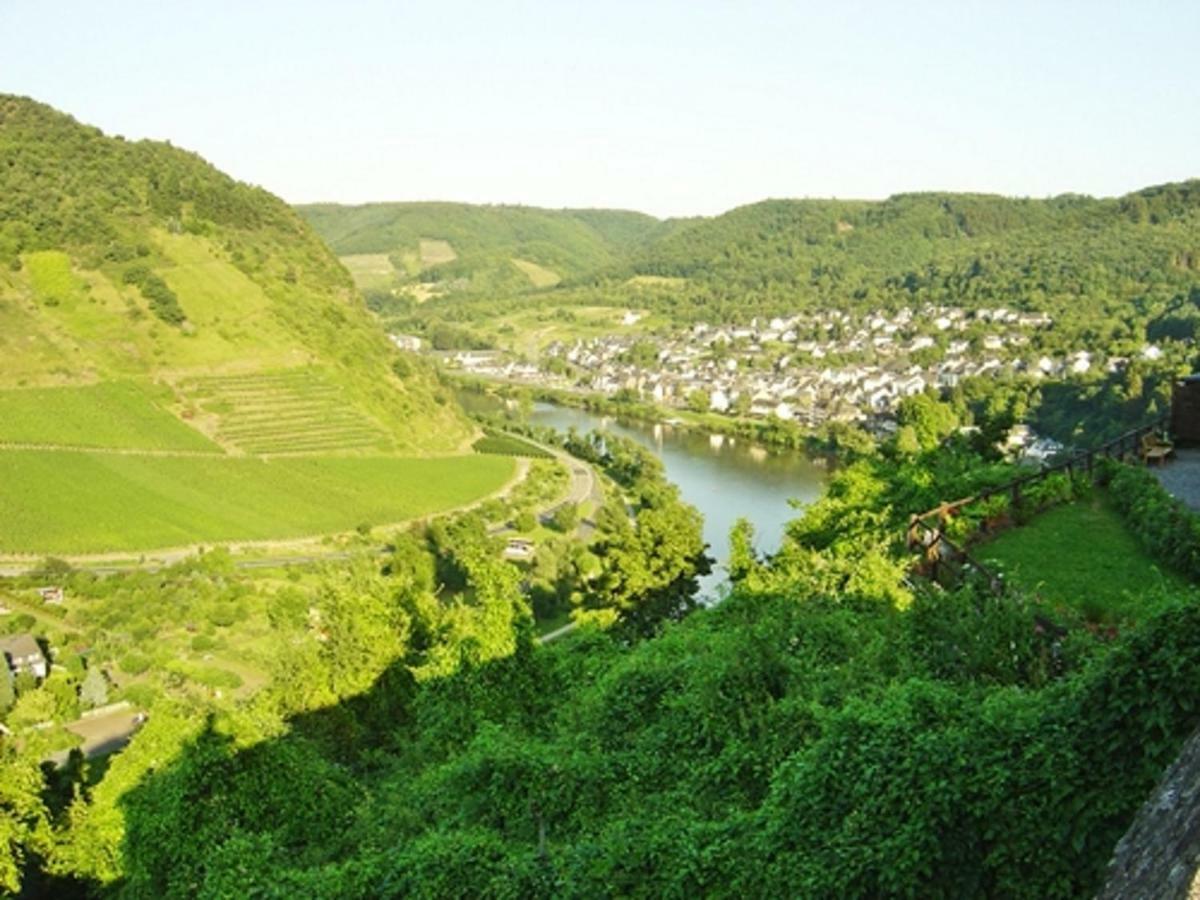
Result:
<point x="926" y="531"/>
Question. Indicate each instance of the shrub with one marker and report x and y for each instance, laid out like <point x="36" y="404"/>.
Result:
<point x="133" y="664"/>
<point x="1167" y="529"/>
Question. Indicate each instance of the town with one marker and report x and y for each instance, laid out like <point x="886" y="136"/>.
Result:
<point x="809" y="369"/>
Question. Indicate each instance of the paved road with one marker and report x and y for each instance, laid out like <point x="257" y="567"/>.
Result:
<point x="1180" y="476"/>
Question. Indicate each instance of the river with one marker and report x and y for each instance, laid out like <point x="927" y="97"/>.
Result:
<point x="725" y="478"/>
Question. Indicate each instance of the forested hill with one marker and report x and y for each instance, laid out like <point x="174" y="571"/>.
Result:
<point x="138" y="261"/>
<point x="482" y="248"/>
<point x="967" y="249"/>
<point x="1091" y="263"/>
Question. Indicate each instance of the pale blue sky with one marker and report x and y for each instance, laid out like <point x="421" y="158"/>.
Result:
<point x="668" y="107"/>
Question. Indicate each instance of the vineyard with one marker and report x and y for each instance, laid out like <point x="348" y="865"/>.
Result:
<point x="290" y="411"/>
<point x="95" y="502"/>
<point x="114" y="414"/>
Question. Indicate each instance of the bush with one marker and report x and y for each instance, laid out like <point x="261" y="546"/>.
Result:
<point x="1166" y="529"/>
<point x="133" y="664"/>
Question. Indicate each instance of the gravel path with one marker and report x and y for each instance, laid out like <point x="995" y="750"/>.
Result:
<point x="1180" y="475"/>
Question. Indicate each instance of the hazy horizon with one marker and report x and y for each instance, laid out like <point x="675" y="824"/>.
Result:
<point x="673" y="109"/>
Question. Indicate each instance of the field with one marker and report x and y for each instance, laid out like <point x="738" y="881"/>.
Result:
<point x="539" y="276"/>
<point x="119" y="415"/>
<point x="370" y="270"/>
<point x="434" y="253"/>
<point x="501" y="444"/>
<point x="1084" y="558"/>
<point x="528" y="331"/>
<point x="289" y="411"/>
<point x="68" y="502"/>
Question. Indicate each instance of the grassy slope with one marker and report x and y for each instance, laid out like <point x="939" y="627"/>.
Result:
<point x="78" y="502"/>
<point x="1081" y="555"/>
<point x="260" y="291"/>
<point x="89" y="359"/>
<point x="114" y="414"/>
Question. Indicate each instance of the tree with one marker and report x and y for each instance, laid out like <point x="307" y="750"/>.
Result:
<point x="931" y="419"/>
<point x="8" y="691"/>
<point x="566" y="518"/>
<point x="94" y="690"/>
<point x="699" y="400"/>
<point x="742" y="557"/>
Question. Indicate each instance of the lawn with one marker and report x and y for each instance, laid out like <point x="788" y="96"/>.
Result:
<point x="111" y="414"/>
<point x="1081" y="555"/>
<point x="64" y="502"/>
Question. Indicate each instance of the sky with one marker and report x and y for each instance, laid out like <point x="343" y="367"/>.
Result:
<point x="672" y="108"/>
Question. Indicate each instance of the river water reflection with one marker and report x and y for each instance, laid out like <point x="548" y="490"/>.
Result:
<point x="725" y="478"/>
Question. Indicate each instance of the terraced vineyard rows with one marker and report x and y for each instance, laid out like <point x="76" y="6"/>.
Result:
<point x="291" y="411"/>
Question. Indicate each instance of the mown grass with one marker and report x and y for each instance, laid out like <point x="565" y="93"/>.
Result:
<point x="120" y="415"/>
<point x="79" y="502"/>
<point x="51" y="276"/>
<point x="1081" y="555"/>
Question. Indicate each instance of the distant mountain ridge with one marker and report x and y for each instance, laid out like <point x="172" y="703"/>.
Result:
<point x="487" y="244"/>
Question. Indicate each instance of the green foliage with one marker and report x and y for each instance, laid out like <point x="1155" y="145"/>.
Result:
<point x="8" y="691"/>
<point x="566" y="518"/>
<point x="504" y="444"/>
<point x="930" y="420"/>
<point x="134" y="663"/>
<point x="484" y="240"/>
<point x="93" y="691"/>
<point x="1166" y="529"/>
<point x="162" y="300"/>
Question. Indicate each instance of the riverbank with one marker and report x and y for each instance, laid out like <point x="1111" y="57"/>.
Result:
<point x="825" y="445"/>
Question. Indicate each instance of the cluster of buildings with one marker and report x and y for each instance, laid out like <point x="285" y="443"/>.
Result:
<point x="21" y="653"/>
<point x="807" y="368"/>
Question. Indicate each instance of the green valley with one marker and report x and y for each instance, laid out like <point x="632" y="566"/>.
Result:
<point x="423" y="549"/>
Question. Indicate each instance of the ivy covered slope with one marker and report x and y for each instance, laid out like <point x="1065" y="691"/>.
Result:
<point x="138" y="263"/>
<point x="467" y="248"/>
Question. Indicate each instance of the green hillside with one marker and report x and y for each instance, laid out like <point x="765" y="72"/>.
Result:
<point x="150" y="304"/>
<point x="1084" y="260"/>
<point x="465" y="248"/>
<point x="140" y="261"/>
<point x="960" y="249"/>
